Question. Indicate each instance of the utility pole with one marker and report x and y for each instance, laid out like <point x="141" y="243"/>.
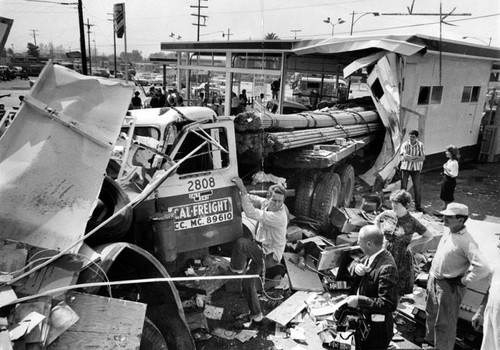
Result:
<point x="95" y="52"/>
<point x="199" y="16"/>
<point x="34" y="34"/>
<point x="90" y="49"/>
<point x="83" y="56"/>
<point x="114" y="40"/>
<point x="228" y="34"/>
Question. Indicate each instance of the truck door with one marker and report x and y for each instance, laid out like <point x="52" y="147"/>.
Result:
<point x="200" y="193"/>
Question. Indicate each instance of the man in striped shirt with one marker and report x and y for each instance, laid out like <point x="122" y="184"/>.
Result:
<point x="412" y="161"/>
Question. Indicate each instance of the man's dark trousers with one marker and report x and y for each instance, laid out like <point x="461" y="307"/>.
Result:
<point x="415" y="178"/>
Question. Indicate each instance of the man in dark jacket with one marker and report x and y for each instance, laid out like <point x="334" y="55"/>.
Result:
<point x="375" y="280"/>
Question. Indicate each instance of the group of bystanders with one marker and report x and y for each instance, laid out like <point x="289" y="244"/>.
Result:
<point x="386" y="273"/>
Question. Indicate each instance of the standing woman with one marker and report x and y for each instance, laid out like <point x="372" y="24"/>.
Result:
<point x="450" y="173"/>
<point x="398" y="227"/>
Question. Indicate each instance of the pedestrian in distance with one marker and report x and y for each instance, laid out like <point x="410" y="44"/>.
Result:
<point x="265" y="249"/>
<point x="155" y="100"/>
<point x="136" y="102"/>
<point x="235" y="104"/>
<point x="488" y="313"/>
<point x="275" y="88"/>
<point x="456" y="263"/>
<point x="243" y="101"/>
<point x="375" y="282"/>
<point x="413" y="156"/>
<point x="450" y="173"/>
<point x="398" y="227"/>
<point x="162" y="97"/>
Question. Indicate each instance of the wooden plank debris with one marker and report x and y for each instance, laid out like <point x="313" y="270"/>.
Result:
<point x="105" y="323"/>
<point x="289" y="308"/>
<point x="301" y="279"/>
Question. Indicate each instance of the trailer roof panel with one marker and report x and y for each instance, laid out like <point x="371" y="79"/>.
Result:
<point x="355" y="46"/>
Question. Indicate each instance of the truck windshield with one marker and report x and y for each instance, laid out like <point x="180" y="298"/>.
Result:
<point x="208" y="158"/>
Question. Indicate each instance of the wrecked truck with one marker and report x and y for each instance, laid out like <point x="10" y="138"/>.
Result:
<point x="53" y="159"/>
<point x="148" y="191"/>
<point x="197" y="206"/>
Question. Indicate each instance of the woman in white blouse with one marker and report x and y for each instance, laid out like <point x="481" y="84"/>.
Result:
<point x="450" y="173"/>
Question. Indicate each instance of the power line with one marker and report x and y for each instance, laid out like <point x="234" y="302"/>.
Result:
<point x="411" y="25"/>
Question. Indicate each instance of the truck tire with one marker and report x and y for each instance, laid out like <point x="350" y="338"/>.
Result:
<point x="152" y="339"/>
<point x="111" y="199"/>
<point x="346" y="173"/>
<point x="113" y="169"/>
<point x="124" y="261"/>
<point x="327" y="195"/>
<point x="304" y="194"/>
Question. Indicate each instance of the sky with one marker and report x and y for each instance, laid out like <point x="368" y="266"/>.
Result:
<point x="150" y="22"/>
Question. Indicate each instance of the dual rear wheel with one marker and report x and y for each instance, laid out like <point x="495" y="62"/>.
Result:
<point x="318" y="193"/>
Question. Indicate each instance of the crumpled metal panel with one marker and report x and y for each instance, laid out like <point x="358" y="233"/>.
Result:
<point x="362" y="63"/>
<point x="334" y="45"/>
<point x="54" y="155"/>
<point x="386" y="75"/>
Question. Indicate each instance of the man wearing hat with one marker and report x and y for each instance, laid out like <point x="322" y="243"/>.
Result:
<point x="488" y="313"/>
<point x="457" y="263"/>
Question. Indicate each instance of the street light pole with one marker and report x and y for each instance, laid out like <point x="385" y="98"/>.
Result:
<point x="362" y="15"/>
<point x="339" y="21"/>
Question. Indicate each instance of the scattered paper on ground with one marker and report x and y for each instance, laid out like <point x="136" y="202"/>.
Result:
<point x="212" y="312"/>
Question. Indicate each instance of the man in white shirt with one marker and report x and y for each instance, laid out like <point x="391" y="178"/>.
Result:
<point x="269" y="244"/>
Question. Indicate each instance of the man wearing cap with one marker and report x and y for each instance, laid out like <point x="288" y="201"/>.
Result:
<point x="457" y="263"/>
<point x="488" y="313"/>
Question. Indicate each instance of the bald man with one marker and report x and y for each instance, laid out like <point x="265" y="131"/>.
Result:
<point x="375" y="281"/>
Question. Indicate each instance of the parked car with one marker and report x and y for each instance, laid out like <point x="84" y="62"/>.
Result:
<point x="6" y="73"/>
<point x="144" y="79"/>
<point x="16" y="70"/>
<point x="157" y="79"/>
<point x="489" y="97"/>
<point x="100" y="72"/>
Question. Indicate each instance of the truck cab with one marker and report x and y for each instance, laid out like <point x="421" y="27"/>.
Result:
<point x="199" y="197"/>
